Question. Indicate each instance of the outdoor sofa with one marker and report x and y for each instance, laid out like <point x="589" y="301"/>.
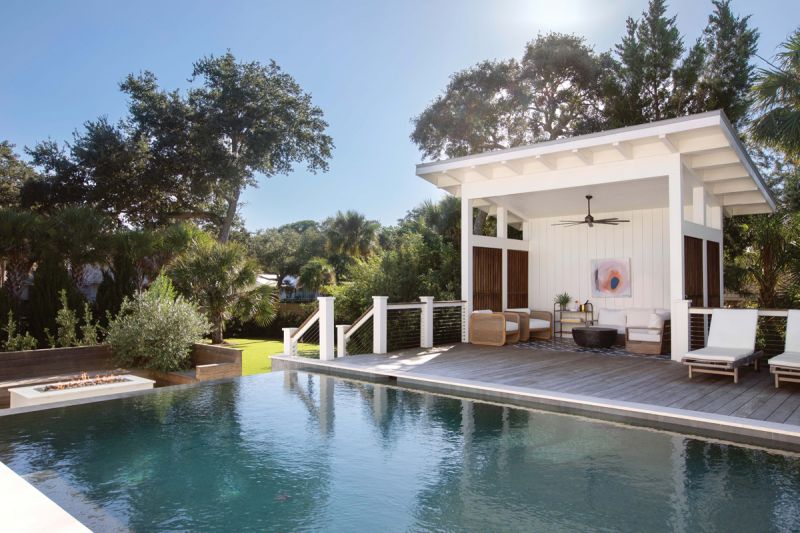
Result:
<point x="731" y="344"/>
<point x="490" y="328"/>
<point x="640" y="330"/>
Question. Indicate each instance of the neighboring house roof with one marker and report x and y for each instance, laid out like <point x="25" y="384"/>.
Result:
<point x="710" y="147"/>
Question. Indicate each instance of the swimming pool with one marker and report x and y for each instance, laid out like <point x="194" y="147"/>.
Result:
<point x="299" y="451"/>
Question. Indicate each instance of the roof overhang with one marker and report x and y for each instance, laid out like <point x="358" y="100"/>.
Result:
<point x="707" y="143"/>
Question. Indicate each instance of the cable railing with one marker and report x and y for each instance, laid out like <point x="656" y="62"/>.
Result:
<point x="381" y="328"/>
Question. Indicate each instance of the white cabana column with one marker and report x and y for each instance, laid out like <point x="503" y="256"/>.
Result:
<point x="502" y="235"/>
<point x="680" y="307"/>
<point x="466" y="261"/>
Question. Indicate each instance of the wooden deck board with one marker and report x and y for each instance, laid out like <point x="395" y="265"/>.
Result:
<point x="642" y="380"/>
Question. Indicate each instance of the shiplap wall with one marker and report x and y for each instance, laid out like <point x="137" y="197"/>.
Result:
<point x="560" y="258"/>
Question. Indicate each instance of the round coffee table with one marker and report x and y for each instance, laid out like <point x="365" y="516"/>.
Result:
<point x="594" y="337"/>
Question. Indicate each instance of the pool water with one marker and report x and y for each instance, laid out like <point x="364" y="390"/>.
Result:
<point x="297" y="451"/>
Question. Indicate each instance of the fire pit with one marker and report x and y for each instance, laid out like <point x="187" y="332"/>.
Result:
<point x="83" y="387"/>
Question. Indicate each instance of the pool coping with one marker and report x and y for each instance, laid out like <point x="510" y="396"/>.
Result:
<point x="696" y="423"/>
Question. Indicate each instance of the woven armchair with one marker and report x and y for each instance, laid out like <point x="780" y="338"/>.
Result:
<point x="493" y="329"/>
<point x="526" y="316"/>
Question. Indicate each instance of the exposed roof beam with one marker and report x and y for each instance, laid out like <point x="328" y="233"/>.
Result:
<point x="703" y="143"/>
<point x="584" y="155"/>
<point x="624" y="149"/>
<point x="517" y="167"/>
<point x="667" y="142"/>
<point x="546" y="161"/>
<point x="717" y="158"/>
<point x="723" y="172"/>
<point x="455" y="173"/>
<point x="445" y="180"/>
<point x="735" y="185"/>
<point x="484" y="170"/>
<point x="742" y="198"/>
<point x="749" y="209"/>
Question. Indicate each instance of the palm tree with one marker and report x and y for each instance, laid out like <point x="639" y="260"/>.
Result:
<point x="316" y="273"/>
<point x="222" y="280"/>
<point x="81" y="236"/>
<point x="777" y="93"/>
<point x="351" y="234"/>
<point x="18" y="235"/>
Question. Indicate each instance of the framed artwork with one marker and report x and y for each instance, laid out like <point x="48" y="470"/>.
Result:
<point x="611" y="278"/>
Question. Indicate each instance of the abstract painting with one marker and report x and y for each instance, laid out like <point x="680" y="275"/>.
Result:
<point x="611" y="278"/>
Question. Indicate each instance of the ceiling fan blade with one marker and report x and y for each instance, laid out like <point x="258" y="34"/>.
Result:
<point x="569" y="223"/>
<point x="614" y="219"/>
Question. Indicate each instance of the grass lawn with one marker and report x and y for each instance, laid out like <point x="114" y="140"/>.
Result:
<point x="256" y="352"/>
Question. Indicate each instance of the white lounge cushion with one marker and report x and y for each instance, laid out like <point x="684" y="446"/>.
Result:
<point x="538" y="323"/>
<point x="483" y="311"/>
<point x="656" y="321"/>
<point x="639" y="318"/>
<point x="520" y="310"/>
<point x="511" y="327"/>
<point x="643" y="335"/>
<point x="786" y="360"/>
<point x="793" y="331"/>
<point x="733" y="328"/>
<point x="663" y="313"/>
<point x="612" y="318"/>
<point x="727" y="355"/>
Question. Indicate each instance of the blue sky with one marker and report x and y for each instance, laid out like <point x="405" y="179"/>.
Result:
<point x="370" y="65"/>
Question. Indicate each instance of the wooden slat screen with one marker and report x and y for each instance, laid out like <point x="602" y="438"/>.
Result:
<point x="712" y="264"/>
<point x="693" y="270"/>
<point x="517" y="279"/>
<point x="487" y="284"/>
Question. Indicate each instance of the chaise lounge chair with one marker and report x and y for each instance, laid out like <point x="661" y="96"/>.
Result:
<point x="786" y="366"/>
<point x="493" y="329"/>
<point x="731" y="344"/>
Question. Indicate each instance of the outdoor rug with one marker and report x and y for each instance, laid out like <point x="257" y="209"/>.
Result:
<point x="568" y="345"/>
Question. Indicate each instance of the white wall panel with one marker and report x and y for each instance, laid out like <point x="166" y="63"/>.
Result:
<point x="560" y="258"/>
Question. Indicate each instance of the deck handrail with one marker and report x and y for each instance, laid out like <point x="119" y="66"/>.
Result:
<point x="360" y="321"/>
<point x="306" y="325"/>
<point x="405" y="305"/>
<point x="761" y="312"/>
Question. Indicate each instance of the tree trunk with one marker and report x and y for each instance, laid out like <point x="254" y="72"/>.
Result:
<point x="233" y="203"/>
<point x="480" y="221"/>
<point x="216" y="332"/>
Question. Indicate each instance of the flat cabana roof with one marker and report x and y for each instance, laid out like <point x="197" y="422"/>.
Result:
<point x="706" y="142"/>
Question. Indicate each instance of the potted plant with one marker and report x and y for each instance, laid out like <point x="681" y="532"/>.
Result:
<point x="563" y="300"/>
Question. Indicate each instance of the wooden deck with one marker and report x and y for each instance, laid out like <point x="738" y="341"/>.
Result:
<point x="649" y="390"/>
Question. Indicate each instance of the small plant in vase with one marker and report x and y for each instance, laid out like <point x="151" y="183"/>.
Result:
<point x="563" y="300"/>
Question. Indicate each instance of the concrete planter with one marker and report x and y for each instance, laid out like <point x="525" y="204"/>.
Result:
<point x="36" y="395"/>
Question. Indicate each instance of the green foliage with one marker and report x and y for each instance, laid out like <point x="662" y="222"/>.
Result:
<point x="221" y="279"/>
<point x="156" y="329"/>
<point x="16" y="342"/>
<point x="66" y="323"/>
<point x="563" y="299"/>
<point x="14" y="173"/>
<point x="316" y="273"/>
<point x="50" y="279"/>
<point x="20" y="233"/>
<point x="777" y="93"/>
<point x="283" y="251"/>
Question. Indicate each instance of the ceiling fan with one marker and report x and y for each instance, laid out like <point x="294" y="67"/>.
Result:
<point x="589" y="219"/>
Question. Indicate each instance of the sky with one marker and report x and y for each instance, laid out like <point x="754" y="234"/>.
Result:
<point x="370" y="65"/>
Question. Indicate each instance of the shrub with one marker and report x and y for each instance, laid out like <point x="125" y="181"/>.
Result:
<point x="156" y="329"/>
<point x="16" y="342"/>
<point x="45" y="296"/>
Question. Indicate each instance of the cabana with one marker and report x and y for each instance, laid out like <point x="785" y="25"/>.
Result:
<point x="665" y="187"/>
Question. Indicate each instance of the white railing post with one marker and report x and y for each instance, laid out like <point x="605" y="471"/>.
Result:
<point x="679" y="317"/>
<point x="326" y="341"/>
<point x="379" y="323"/>
<point x="341" y="340"/>
<point x="288" y="344"/>
<point x="464" y="323"/>
<point x="426" y="322"/>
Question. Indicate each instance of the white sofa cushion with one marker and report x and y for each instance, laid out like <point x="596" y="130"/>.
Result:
<point x="511" y="326"/>
<point x="612" y="318"/>
<point x="483" y="311"/>
<point x="728" y="355"/>
<point x="656" y="321"/>
<point x="643" y="335"/>
<point x="786" y="360"/>
<point x="638" y="318"/>
<point x="520" y="310"/>
<point x="793" y="331"/>
<point x="538" y="323"/>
